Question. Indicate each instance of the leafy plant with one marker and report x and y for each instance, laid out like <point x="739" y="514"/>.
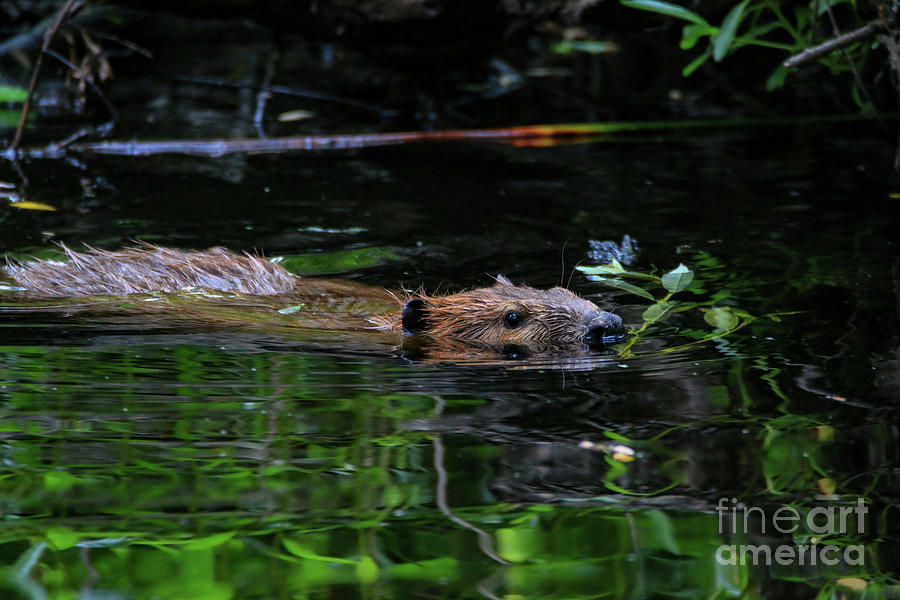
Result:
<point x="756" y="23"/>
<point x="724" y="320"/>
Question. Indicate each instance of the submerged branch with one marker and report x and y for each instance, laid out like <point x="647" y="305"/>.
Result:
<point x="533" y="135"/>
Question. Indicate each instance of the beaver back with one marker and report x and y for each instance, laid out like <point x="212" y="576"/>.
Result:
<point x="150" y="268"/>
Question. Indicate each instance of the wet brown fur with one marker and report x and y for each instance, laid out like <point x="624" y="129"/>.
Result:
<point x="547" y="316"/>
<point x="555" y="316"/>
<point x="151" y="268"/>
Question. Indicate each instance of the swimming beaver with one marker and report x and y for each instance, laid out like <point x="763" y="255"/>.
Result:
<point x="500" y="315"/>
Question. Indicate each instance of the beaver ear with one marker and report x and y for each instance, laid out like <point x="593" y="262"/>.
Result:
<point x="414" y="316"/>
<point x="502" y="280"/>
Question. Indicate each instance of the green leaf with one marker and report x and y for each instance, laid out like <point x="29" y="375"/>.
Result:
<point x="58" y="481"/>
<point x="657" y="311"/>
<point x="426" y="570"/>
<point x="625" y="286"/>
<point x="666" y="8"/>
<point x="590" y="46"/>
<point x="61" y="538"/>
<point x="691" y="34"/>
<point x="367" y="570"/>
<point x="298" y="549"/>
<point x="613" y="268"/>
<point x="776" y="79"/>
<point x="209" y="542"/>
<point x="721" y="318"/>
<point x="10" y="118"/>
<point x="11" y="93"/>
<point x="728" y="30"/>
<point x="564" y="47"/>
<point x="292" y="309"/>
<point x="695" y="64"/>
<point x="677" y="279"/>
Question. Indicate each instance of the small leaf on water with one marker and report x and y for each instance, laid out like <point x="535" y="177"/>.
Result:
<point x="336" y="262"/>
<point x="10" y="93"/>
<point x="826" y="485"/>
<point x="295" y="115"/>
<point x="28" y="205"/>
<point x="721" y="318"/>
<point x="657" y="311"/>
<point x="289" y="310"/>
<point x="564" y="47"/>
<point x="677" y="279"/>
<point x="625" y="286"/>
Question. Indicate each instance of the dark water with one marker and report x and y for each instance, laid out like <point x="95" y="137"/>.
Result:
<point x="164" y="462"/>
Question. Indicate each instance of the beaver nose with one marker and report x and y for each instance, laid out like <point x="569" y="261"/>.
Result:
<point x="603" y="328"/>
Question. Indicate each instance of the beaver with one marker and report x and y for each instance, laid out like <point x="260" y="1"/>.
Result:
<point x="500" y="315"/>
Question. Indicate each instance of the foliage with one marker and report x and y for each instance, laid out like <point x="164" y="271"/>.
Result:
<point x="722" y="317"/>
<point x="762" y="23"/>
<point x="12" y="94"/>
<point x="211" y="472"/>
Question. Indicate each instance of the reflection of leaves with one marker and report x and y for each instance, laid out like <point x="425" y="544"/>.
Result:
<point x="721" y="318"/>
<point x="61" y="538"/>
<point x="58" y="481"/>
<point x="210" y="541"/>
<point x="9" y="94"/>
<point x="298" y="549"/>
<point x="659" y="532"/>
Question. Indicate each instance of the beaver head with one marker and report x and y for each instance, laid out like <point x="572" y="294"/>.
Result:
<point x="509" y="314"/>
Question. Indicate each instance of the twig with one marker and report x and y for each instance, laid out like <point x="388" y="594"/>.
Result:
<point x="121" y="41"/>
<point x="836" y="43"/>
<point x="66" y="141"/>
<point x="69" y="8"/>
<point x="265" y="93"/>
<point x="289" y="91"/>
<point x="485" y="543"/>
<point x="856" y="76"/>
<point x="87" y="78"/>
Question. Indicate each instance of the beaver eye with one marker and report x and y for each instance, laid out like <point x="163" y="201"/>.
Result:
<point x="513" y="319"/>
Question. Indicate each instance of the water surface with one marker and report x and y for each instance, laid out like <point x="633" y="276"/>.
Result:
<point x="156" y="461"/>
